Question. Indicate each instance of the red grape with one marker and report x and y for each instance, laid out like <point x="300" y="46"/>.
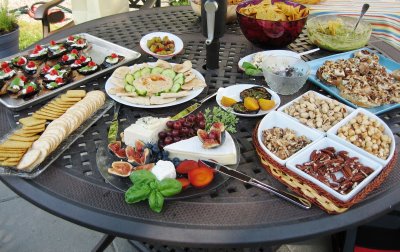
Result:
<point x="162" y="134"/>
<point x="168" y="140"/>
<point x="177" y="125"/>
<point x="170" y="124"/>
<point x="200" y="117"/>
<point x="161" y="143"/>
<point x="187" y="124"/>
<point x="191" y="118"/>
<point x="177" y="139"/>
<point x="175" y="133"/>
<point x="202" y="124"/>
<point x="185" y="131"/>
<point x="196" y="128"/>
<point x="182" y="120"/>
<point x="192" y="132"/>
<point x="169" y="134"/>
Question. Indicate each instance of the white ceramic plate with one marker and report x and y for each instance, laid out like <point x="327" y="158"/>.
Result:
<point x="249" y="58"/>
<point x="176" y="39"/>
<point x="193" y="93"/>
<point x="304" y="156"/>
<point x="278" y="119"/>
<point x="234" y="93"/>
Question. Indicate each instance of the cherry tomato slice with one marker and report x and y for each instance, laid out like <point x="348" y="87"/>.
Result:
<point x="185" y="182"/>
<point x="201" y="177"/>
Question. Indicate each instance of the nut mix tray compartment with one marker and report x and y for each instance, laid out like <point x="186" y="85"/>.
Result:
<point x="72" y="58"/>
<point x="330" y="171"/>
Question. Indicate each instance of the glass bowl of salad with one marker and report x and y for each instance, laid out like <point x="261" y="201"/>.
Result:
<point x="336" y="33"/>
<point x="285" y="74"/>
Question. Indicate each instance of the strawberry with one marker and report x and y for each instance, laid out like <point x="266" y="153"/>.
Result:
<point x="114" y="55"/>
<point x="92" y="64"/>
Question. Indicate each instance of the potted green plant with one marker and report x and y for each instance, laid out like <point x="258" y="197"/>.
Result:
<point x="9" y="31"/>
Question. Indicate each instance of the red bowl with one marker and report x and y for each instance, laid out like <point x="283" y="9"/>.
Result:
<point x="270" y="34"/>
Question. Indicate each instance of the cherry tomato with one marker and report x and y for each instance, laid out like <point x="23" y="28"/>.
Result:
<point x="185" y="166"/>
<point x="185" y="182"/>
<point x="4" y="64"/>
<point x="31" y="64"/>
<point x="200" y="177"/>
<point x="82" y="58"/>
<point x="59" y="80"/>
<point x="23" y="78"/>
<point x="114" y="55"/>
<point x="92" y="63"/>
<point x="52" y="42"/>
<point x="74" y="51"/>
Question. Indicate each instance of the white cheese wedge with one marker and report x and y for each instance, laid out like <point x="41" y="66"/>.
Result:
<point x="164" y="169"/>
<point x="192" y="149"/>
<point x="145" y="129"/>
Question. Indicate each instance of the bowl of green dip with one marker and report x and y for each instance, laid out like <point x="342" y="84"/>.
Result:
<point x="336" y="33"/>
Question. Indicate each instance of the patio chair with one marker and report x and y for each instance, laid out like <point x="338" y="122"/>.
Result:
<point x="44" y="13"/>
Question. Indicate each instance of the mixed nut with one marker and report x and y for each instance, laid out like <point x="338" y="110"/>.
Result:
<point x="317" y="113"/>
<point x="368" y="134"/>
<point x="283" y="142"/>
<point x="336" y="169"/>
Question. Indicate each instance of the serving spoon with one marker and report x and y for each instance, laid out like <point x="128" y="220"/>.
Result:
<point x="364" y="9"/>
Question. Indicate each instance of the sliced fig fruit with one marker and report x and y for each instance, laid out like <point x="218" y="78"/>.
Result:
<point x="210" y="143"/>
<point x="202" y="134"/>
<point x="214" y="138"/>
<point x="138" y="155"/>
<point x="218" y="125"/>
<point x="115" y="147"/>
<point x="121" y="168"/>
<point x="120" y="153"/>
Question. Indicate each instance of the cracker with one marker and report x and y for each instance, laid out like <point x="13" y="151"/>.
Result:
<point x="7" y="163"/>
<point x="32" y="128"/>
<point x="76" y="93"/>
<point x="31" y="121"/>
<point x="54" y="109"/>
<point x="48" y="112"/>
<point x="46" y="117"/>
<point x="26" y="131"/>
<point x="24" y="138"/>
<point x="14" y="159"/>
<point x="28" y="159"/>
<point x="58" y="105"/>
<point x="11" y="154"/>
<point x="16" y="144"/>
<point x="65" y="98"/>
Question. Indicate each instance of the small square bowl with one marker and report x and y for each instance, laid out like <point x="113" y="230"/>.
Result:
<point x="285" y="74"/>
<point x="332" y="133"/>
<point x="317" y="95"/>
<point x="277" y="119"/>
<point x="178" y="44"/>
<point x="304" y="156"/>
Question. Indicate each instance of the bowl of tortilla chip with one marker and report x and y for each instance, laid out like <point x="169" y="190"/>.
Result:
<point x="271" y="24"/>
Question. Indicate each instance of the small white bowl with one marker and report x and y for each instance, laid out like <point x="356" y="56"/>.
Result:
<point x="278" y="119"/>
<point x="178" y="44"/>
<point x="332" y="133"/>
<point x="320" y="96"/>
<point x="304" y="156"/>
<point x="234" y="93"/>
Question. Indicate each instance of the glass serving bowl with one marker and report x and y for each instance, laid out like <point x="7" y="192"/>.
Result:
<point x="270" y="34"/>
<point x="335" y="33"/>
<point x="285" y="74"/>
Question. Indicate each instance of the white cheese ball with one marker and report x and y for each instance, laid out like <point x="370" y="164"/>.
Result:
<point x="164" y="169"/>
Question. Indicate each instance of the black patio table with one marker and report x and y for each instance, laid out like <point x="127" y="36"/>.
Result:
<point x="232" y="215"/>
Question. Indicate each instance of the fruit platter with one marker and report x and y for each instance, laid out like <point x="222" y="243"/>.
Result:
<point x="156" y="84"/>
<point x="36" y="75"/>
<point x="326" y="151"/>
<point x="169" y="152"/>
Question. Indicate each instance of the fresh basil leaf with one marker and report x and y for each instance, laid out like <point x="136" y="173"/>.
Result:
<point x="169" y="187"/>
<point x="252" y="72"/>
<point x="248" y="65"/>
<point x="137" y="193"/>
<point x="156" y="201"/>
<point x="142" y="177"/>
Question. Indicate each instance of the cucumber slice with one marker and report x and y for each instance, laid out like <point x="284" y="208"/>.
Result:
<point x="137" y="74"/>
<point x="180" y="81"/>
<point x="175" y="88"/>
<point x="129" y="88"/>
<point x="169" y="73"/>
<point x="145" y="71"/>
<point x="141" y="92"/>
<point x="178" y="76"/>
<point x="129" y="79"/>
<point x="157" y="70"/>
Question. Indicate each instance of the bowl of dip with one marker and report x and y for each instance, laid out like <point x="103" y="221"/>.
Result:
<point x="336" y="33"/>
<point x="285" y="74"/>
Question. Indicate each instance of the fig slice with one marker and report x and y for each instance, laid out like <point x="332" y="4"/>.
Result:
<point x="120" y="168"/>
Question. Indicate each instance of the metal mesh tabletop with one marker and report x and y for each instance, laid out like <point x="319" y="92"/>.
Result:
<point x="231" y="215"/>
